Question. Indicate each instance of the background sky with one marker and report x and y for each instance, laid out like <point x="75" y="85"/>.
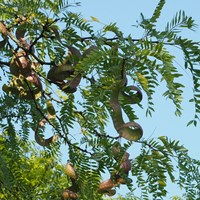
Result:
<point x="163" y="122"/>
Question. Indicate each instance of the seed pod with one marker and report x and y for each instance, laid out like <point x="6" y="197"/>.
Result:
<point x="20" y="64"/>
<point x="111" y="192"/>
<point x="106" y="185"/>
<point x="126" y="166"/>
<point x="69" y="194"/>
<point x="69" y="170"/>
<point x="121" y="180"/>
<point x="124" y="181"/>
<point x="117" y="150"/>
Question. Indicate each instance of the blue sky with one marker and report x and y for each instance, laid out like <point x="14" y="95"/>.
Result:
<point x="125" y="13"/>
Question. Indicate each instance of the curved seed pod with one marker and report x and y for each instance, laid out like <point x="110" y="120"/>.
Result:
<point x="69" y="194"/>
<point x="60" y="72"/>
<point x="116" y="149"/>
<point x="106" y="185"/>
<point x="20" y="64"/>
<point x="124" y="129"/>
<point x="125" y="156"/>
<point x="71" y="86"/>
<point x="69" y="170"/>
<point x="34" y="79"/>
<point x="120" y="180"/>
<point x="72" y="50"/>
<point x="111" y="192"/>
<point x="130" y="99"/>
<point x="126" y="166"/>
<point x="20" y="33"/>
<point x="131" y="131"/>
<point x="40" y="140"/>
<point x="124" y="181"/>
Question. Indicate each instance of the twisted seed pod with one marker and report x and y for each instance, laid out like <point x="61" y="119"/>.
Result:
<point x="124" y="129"/>
<point x="111" y="192"/>
<point x="40" y="140"/>
<point x="58" y="74"/>
<point x="20" y="64"/>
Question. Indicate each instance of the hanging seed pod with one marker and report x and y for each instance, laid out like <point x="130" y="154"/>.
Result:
<point x="69" y="194"/>
<point x="111" y="193"/>
<point x="20" y="64"/>
<point x="106" y="185"/>
<point x="124" y="181"/>
<point x="126" y="166"/>
<point x="40" y="140"/>
<point x="117" y="150"/>
<point x="69" y="170"/>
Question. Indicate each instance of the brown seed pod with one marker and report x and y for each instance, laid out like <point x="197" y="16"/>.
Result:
<point x="121" y="180"/>
<point x="117" y="150"/>
<point x="40" y="140"/>
<point x="124" y="181"/>
<point x="20" y="34"/>
<point x="126" y="166"/>
<point x="111" y="192"/>
<point x="69" y="170"/>
<point x="106" y="185"/>
<point x="69" y="194"/>
<point x="20" y="64"/>
<point x="60" y="72"/>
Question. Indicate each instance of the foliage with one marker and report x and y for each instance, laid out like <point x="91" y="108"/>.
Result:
<point x="28" y="173"/>
<point x="58" y="71"/>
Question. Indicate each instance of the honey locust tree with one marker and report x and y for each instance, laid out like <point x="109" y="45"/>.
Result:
<point x="59" y="73"/>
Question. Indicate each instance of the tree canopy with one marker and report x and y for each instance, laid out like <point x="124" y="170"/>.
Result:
<point x="60" y="74"/>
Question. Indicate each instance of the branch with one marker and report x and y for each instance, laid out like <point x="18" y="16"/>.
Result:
<point x="134" y="40"/>
<point x="68" y="141"/>
<point x="4" y="63"/>
<point x="155" y="149"/>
